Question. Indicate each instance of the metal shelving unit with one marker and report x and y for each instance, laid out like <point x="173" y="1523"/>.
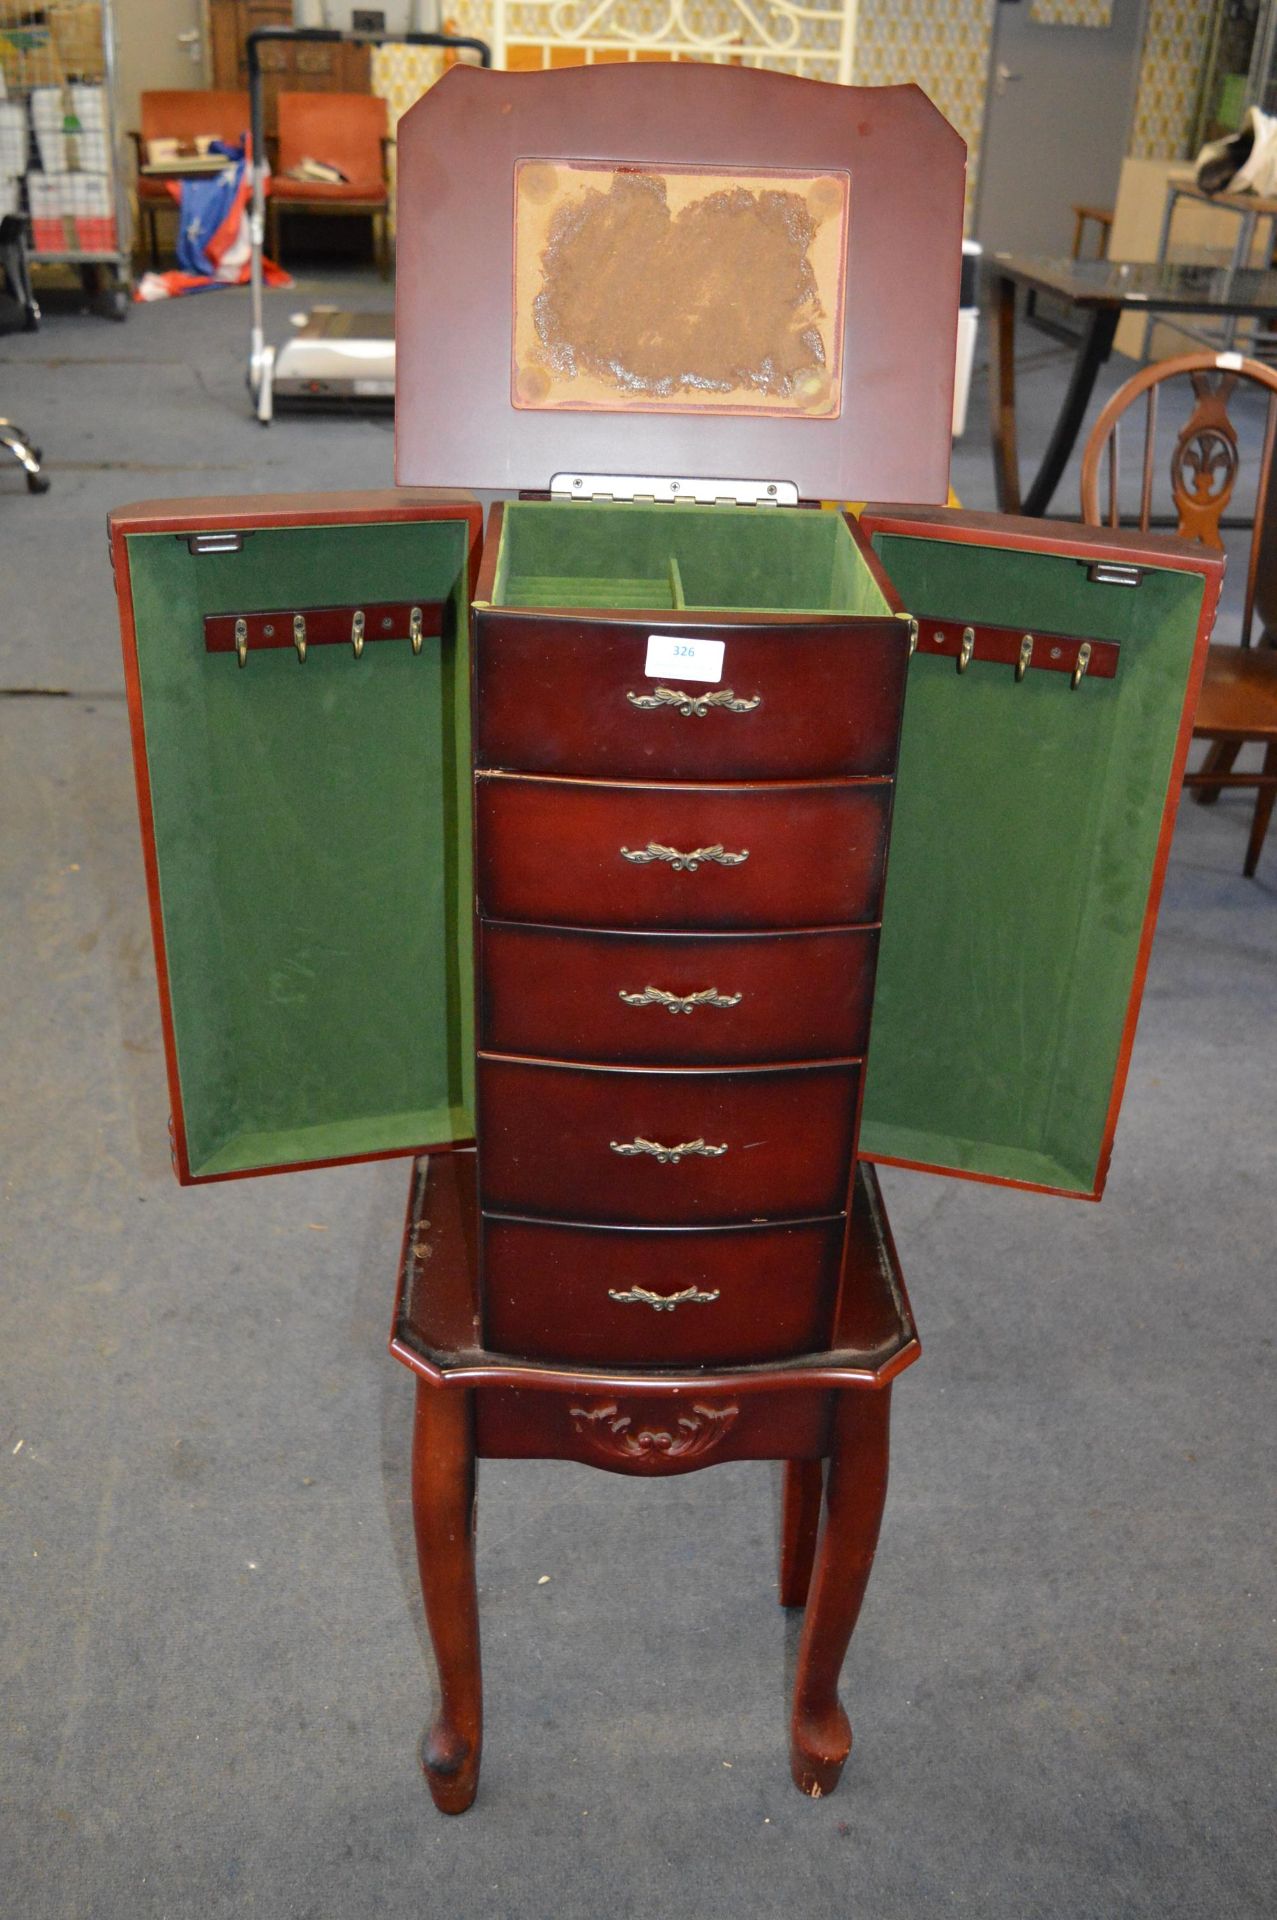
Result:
<point x="59" y="144"/>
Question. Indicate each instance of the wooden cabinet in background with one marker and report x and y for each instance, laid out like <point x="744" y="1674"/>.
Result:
<point x="301" y="68"/>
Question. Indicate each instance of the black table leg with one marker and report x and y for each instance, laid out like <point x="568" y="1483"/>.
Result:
<point x="1097" y="344"/>
<point x="1006" y="451"/>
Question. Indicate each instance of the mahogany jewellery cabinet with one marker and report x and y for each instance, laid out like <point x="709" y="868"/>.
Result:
<point x="571" y="838"/>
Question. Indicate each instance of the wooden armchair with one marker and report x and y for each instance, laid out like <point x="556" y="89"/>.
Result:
<point x="185" y="115"/>
<point x="1238" y="701"/>
<point x="346" y="131"/>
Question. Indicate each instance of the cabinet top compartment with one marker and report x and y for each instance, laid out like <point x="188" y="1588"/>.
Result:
<point x="694" y="270"/>
<point x="547" y="554"/>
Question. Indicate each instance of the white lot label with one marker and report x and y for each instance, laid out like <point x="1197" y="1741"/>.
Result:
<point x="673" y="653"/>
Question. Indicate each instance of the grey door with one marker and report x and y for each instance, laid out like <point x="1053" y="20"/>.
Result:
<point x="1057" y="124"/>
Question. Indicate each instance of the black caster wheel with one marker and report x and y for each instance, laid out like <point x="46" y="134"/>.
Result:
<point x="37" y="483"/>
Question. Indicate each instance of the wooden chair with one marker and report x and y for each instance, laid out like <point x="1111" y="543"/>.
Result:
<point x="1238" y="702"/>
<point x="1103" y="218"/>
<point x="347" y="131"/>
<point x="183" y="115"/>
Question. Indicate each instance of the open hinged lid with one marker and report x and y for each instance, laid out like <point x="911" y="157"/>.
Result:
<point x="1035" y="801"/>
<point x="661" y="269"/>
<point x="298" y="686"/>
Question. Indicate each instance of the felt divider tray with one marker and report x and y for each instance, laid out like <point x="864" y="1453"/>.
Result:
<point x="618" y="555"/>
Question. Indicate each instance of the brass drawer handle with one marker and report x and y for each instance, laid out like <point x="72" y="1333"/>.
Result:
<point x="662" y="1302"/>
<point x="667" y="1156"/>
<point x="680" y="1002"/>
<point x="693" y="704"/>
<point x="684" y="862"/>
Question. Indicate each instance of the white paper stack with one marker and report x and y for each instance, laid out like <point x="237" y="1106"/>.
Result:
<point x="87" y="201"/>
<point x="88" y="110"/>
<point x="48" y="116"/>
<point x="88" y="104"/>
<point x="46" y="200"/>
<point x="13" y="139"/>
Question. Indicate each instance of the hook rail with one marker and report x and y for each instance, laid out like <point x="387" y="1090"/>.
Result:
<point x="969" y="643"/>
<point x="301" y="628"/>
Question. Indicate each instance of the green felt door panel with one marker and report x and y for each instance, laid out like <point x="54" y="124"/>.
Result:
<point x="1024" y="838"/>
<point x="312" y="834"/>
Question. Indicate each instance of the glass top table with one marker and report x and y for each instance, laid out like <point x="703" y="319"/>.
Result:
<point x="1102" y="291"/>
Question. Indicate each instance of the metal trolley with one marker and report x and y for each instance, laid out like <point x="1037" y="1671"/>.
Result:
<point x="338" y="358"/>
<point x="60" y="170"/>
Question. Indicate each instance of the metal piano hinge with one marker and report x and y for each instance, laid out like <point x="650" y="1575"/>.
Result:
<point x="663" y="490"/>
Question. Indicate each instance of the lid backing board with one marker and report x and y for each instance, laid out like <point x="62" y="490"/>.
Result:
<point x="677" y="269"/>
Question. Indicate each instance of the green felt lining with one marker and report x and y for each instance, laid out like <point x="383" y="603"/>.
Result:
<point x="1024" y="835"/>
<point x="312" y="829"/>
<point x="616" y="555"/>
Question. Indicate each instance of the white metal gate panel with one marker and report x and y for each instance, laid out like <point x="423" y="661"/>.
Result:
<point x="814" y="40"/>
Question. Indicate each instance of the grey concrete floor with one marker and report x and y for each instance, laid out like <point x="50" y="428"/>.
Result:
<point x="212" y="1663"/>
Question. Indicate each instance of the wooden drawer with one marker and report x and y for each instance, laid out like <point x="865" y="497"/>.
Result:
<point x="559" y="695"/>
<point x="645" y="1432"/>
<point x="548" y="1291"/>
<point x="563" y="994"/>
<point x="596" y="1143"/>
<point x="582" y="853"/>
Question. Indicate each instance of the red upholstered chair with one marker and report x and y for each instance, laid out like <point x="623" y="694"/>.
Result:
<point x="346" y="131"/>
<point x="184" y="116"/>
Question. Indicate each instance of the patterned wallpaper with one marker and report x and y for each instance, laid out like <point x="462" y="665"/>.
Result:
<point x="943" y="45"/>
<point x="1174" y="49"/>
<point x="1072" y="13"/>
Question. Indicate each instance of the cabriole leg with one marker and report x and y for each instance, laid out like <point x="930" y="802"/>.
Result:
<point x="855" y="1490"/>
<point x="443" y="1509"/>
<point x="799" y="1525"/>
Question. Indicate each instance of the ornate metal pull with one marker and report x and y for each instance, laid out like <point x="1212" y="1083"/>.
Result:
<point x="695" y="705"/>
<point x="668" y="1156"/>
<point x="662" y="1302"/>
<point x="684" y="862"/>
<point x="679" y="1002"/>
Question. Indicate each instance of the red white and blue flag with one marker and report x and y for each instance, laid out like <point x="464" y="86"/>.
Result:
<point x="213" y="244"/>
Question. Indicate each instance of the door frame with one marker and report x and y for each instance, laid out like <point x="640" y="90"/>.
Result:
<point x="977" y="198"/>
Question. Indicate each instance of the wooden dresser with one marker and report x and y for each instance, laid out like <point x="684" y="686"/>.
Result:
<point x="571" y="837"/>
<point x="303" y="67"/>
